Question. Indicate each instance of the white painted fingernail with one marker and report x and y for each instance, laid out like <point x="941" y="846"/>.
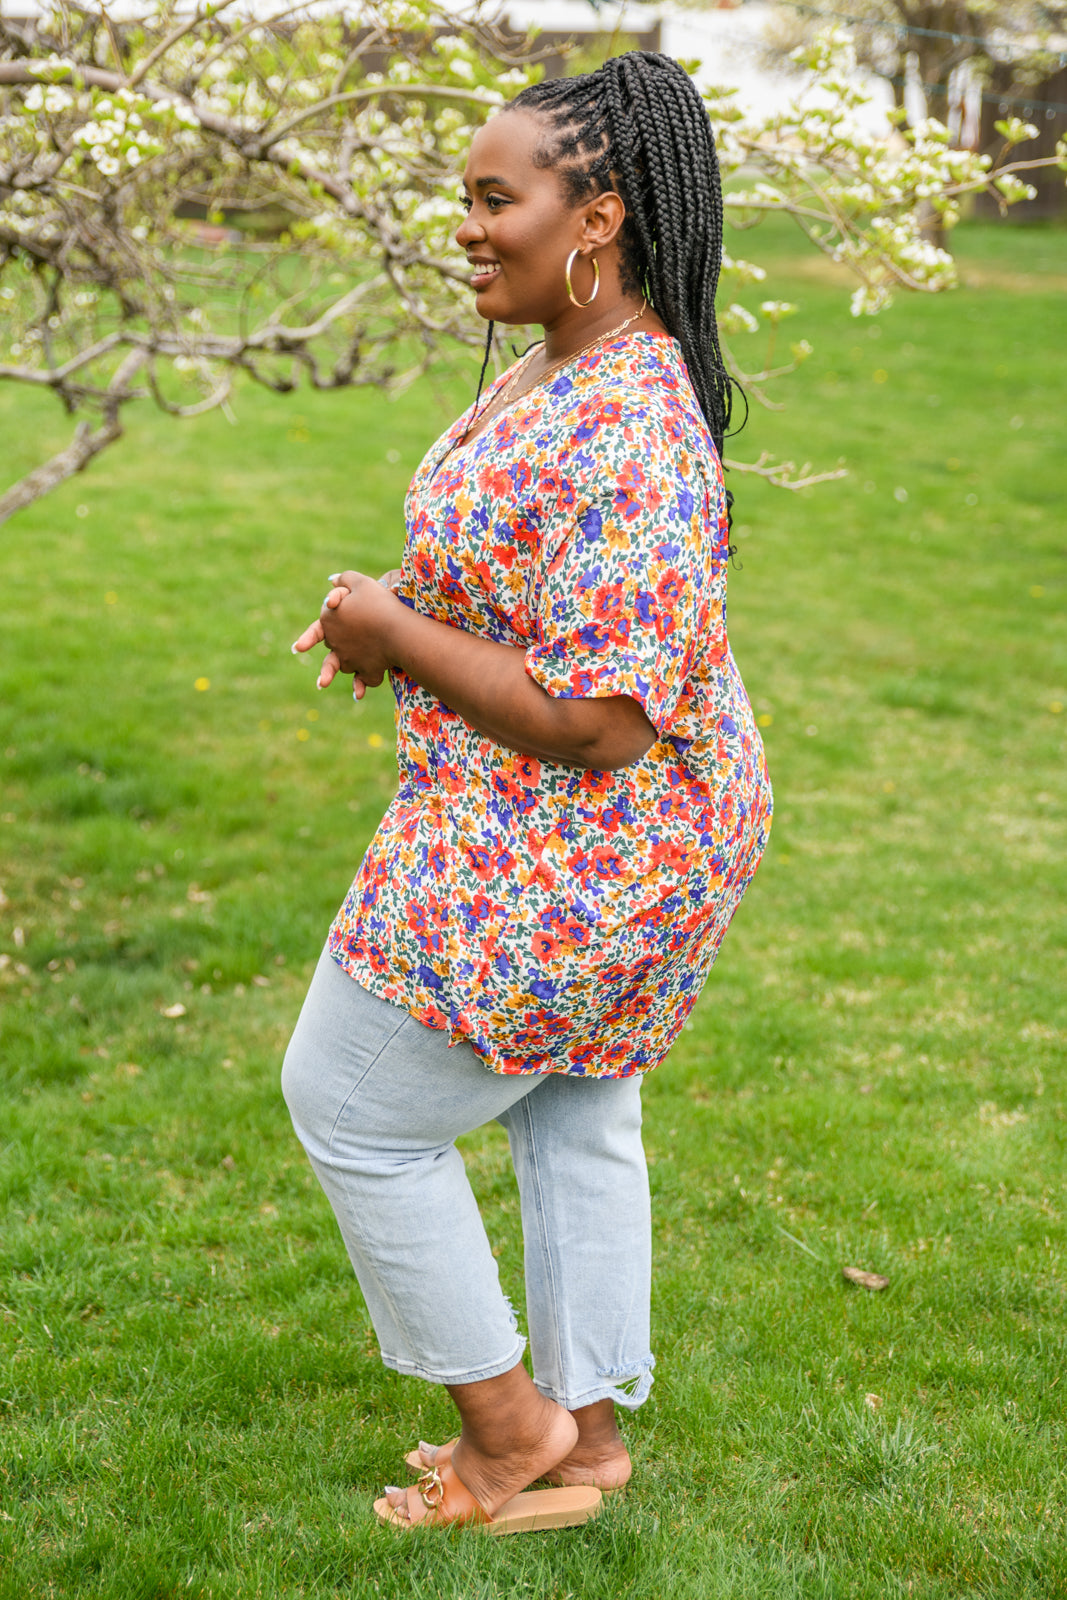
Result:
<point x="294" y="650"/>
<point x="335" y="577"/>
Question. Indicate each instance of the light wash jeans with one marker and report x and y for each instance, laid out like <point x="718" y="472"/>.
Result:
<point x="377" y="1100"/>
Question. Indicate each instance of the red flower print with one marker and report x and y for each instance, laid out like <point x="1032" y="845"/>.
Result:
<point x="607" y="863"/>
<point x="372" y="954"/>
<point x="528" y="771"/>
<point x="505" y="786"/>
<point x="580" y="864"/>
<point x="583" y="683"/>
<point x="670" y="589"/>
<point x="542" y="875"/>
<point x="666" y="625"/>
<point x="504" y="861"/>
<point x="597" y="782"/>
<point x="629" y="497"/>
<point x="608" y="601"/>
<point x="480" y="860"/>
<point x="671" y="854"/>
<point x="544" y="946"/>
<point x="615" y="1054"/>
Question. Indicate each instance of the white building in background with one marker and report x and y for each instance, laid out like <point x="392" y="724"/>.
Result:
<point x="728" y="42"/>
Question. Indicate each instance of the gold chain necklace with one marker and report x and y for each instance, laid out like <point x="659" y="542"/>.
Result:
<point x="501" y="401"/>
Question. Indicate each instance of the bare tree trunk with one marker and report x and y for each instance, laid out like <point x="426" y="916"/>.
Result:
<point x="933" y="228"/>
<point x="86" y="444"/>
<point x="938" y="59"/>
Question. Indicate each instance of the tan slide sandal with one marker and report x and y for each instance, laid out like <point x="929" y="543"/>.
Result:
<point x="440" y="1499"/>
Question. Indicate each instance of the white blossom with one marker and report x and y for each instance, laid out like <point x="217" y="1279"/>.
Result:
<point x="869" y="299"/>
<point x="736" y="319"/>
<point x="776" y="310"/>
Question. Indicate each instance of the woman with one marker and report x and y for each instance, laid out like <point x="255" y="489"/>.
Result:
<point x="582" y="800"/>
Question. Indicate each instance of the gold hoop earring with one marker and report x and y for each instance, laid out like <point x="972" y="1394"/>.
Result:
<point x="570" y="286"/>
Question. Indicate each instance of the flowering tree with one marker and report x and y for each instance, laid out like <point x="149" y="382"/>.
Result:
<point x="341" y="140"/>
<point x="1004" y="44"/>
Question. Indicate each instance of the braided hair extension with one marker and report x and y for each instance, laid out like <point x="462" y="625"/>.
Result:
<point x="637" y="126"/>
<point x="485" y="360"/>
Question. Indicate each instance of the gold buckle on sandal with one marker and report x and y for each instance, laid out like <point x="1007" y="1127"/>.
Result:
<point x="432" y="1481"/>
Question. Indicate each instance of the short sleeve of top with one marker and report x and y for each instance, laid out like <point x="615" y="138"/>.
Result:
<point x="628" y="589"/>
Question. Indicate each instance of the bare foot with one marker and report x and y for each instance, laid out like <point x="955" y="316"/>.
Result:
<point x="511" y="1437"/>
<point x="599" y="1457"/>
<point x="535" y="1444"/>
<point x="607" y="1468"/>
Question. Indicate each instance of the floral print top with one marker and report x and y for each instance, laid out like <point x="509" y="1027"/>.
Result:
<point x="561" y="919"/>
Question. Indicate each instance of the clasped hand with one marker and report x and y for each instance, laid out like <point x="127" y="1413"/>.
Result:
<point x="354" y="625"/>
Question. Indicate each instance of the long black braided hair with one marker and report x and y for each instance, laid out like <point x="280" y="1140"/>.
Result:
<point x="637" y="126"/>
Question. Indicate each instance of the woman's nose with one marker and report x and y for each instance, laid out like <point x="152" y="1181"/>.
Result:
<point x="468" y="231"/>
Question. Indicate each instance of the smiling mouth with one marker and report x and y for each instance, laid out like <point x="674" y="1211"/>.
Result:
<point x="484" y="273"/>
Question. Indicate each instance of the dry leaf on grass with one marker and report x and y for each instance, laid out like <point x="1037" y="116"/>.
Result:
<point x="865" y="1280"/>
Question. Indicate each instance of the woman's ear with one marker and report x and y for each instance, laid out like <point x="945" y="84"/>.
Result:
<point x="601" y="219"/>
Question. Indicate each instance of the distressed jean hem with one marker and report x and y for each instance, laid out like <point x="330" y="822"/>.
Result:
<point x="605" y="1391"/>
<point x="412" y="1369"/>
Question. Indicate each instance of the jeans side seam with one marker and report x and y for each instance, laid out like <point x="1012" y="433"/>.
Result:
<point x="550" y="1264"/>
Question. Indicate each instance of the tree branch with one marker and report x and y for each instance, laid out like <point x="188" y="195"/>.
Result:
<point x="172" y="38"/>
<point x="87" y="443"/>
<point x="425" y="91"/>
<point x="780" y="473"/>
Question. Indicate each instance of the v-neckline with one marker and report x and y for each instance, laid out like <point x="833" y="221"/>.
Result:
<point x="460" y="441"/>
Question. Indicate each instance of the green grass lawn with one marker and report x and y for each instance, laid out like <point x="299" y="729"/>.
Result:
<point x="191" y="1402"/>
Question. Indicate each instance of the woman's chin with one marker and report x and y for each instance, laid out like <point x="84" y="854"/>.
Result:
<point x="508" y="316"/>
<point x="490" y="303"/>
<point x="495" y="304"/>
